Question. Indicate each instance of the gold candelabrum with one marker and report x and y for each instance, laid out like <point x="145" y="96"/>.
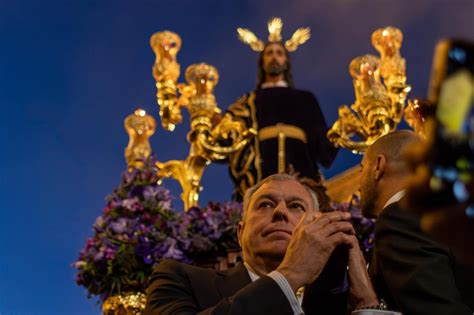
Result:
<point x="417" y="113"/>
<point x="140" y="127"/>
<point x="124" y="304"/>
<point x="212" y="137"/>
<point x="378" y="106"/>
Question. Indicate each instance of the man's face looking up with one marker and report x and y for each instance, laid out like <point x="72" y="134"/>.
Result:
<point x="274" y="59"/>
<point x="272" y="214"/>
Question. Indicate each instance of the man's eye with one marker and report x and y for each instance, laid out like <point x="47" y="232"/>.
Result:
<point x="265" y="204"/>
<point x="297" y="206"/>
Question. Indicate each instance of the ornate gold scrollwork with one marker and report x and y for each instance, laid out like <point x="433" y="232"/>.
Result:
<point x="378" y="106"/>
<point x="210" y="141"/>
<point x="416" y="114"/>
<point x="124" y="304"/>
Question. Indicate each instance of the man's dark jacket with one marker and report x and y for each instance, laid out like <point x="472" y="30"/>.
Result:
<point x="413" y="273"/>
<point x="177" y="288"/>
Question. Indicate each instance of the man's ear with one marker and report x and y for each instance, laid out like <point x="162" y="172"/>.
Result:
<point x="240" y="229"/>
<point x="380" y="165"/>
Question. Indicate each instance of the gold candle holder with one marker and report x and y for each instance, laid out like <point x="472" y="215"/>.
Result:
<point x="378" y="106"/>
<point x="140" y="127"/>
<point x="209" y="141"/>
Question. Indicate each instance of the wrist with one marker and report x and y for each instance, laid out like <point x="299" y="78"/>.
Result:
<point x="376" y="306"/>
<point x="293" y="280"/>
<point x="366" y="303"/>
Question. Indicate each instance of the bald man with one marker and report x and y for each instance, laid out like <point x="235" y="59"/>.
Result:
<point x="410" y="271"/>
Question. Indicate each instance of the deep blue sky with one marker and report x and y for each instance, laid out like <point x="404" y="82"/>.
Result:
<point x="71" y="71"/>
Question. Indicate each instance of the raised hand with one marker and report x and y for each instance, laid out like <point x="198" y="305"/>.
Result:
<point x="361" y="290"/>
<point x="313" y="240"/>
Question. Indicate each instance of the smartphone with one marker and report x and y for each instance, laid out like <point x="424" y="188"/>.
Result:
<point x="452" y="91"/>
<point x="452" y="87"/>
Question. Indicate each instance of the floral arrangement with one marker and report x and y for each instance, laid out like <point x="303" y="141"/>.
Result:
<point x="213" y="229"/>
<point x="139" y="227"/>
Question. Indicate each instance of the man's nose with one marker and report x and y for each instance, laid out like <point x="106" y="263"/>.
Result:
<point x="280" y="213"/>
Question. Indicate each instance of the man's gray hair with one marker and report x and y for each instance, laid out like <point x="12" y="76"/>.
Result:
<point x="276" y="177"/>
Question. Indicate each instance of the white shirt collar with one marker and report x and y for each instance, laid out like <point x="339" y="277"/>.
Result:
<point x="253" y="275"/>
<point x="281" y="83"/>
<point x="395" y="198"/>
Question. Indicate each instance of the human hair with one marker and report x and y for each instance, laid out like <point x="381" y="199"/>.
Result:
<point x="288" y="77"/>
<point x="275" y="177"/>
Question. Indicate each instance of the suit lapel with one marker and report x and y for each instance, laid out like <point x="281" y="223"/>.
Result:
<point x="232" y="280"/>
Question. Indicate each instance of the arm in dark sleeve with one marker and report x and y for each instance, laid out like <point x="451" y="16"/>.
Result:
<point x="417" y="271"/>
<point x="170" y="292"/>
<point x="324" y="151"/>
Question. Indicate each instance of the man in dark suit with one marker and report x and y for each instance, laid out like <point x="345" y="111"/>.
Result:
<point x="286" y="244"/>
<point x="412" y="272"/>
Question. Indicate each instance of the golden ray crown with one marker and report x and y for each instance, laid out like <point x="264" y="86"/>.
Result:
<point x="275" y="25"/>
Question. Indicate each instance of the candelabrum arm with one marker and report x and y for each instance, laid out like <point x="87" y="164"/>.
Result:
<point x="209" y="142"/>
<point x="379" y="106"/>
<point x="218" y="152"/>
<point x="188" y="173"/>
<point x="166" y="70"/>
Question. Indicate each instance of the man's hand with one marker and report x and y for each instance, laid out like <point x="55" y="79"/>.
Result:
<point x="313" y="240"/>
<point x="361" y="290"/>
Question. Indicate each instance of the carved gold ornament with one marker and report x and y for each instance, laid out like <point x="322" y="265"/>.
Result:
<point x="124" y="304"/>
<point x="379" y="105"/>
<point x="140" y="127"/>
<point x="274" y="25"/>
<point x="211" y="137"/>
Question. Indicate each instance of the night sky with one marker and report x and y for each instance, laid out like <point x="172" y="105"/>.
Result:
<point x="71" y="71"/>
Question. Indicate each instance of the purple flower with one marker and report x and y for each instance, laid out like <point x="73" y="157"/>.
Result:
<point x="165" y="204"/>
<point x="99" y="224"/>
<point x="89" y="244"/>
<point x="144" y="248"/>
<point x="368" y="243"/>
<point x="185" y="244"/>
<point x="110" y="253"/>
<point x="132" y="204"/>
<point x="107" y="209"/>
<point x="98" y="255"/>
<point x="145" y="175"/>
<point x="136" y="191"/>
<point x="119" y="226"/>
<point x="115" y="203"/>
<point x="173" y="251"/>
<point x="129" y="177"/>
<point x="150" y="192"/>
<point x="148" y="259"/>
